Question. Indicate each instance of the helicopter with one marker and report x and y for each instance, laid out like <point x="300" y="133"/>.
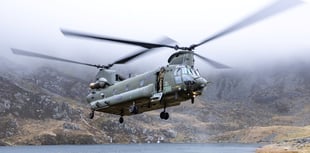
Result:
<point x="166" y="86"/>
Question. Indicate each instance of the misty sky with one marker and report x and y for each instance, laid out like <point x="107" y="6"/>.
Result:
<point x="34" y="25"/>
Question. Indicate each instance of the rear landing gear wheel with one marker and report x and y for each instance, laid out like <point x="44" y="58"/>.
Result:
<point x="91" y="114"/>
<point x="164" y="115"/>
<point x="121" y="120"/>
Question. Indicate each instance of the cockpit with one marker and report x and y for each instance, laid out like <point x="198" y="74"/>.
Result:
<point x="190" y="77"/>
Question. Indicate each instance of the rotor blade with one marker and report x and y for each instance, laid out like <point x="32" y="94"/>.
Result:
<point x="165" y="40"/>
<point x="273" y="9"/>
<point x="209" y="61"/>
<point x="129" y="42"/>
<point x="32" y="54"/>
<point x="212" y="62"/>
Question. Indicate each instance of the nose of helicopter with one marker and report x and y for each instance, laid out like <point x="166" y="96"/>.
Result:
<point x="196" y="83"/>
<point x="201" y="82"/>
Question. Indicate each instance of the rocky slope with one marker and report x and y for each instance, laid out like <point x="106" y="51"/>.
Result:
<point x="46" y="106"/>
<point x="301" y="145"/>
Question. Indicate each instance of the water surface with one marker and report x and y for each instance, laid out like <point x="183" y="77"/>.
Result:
<point x="134" y="148"/>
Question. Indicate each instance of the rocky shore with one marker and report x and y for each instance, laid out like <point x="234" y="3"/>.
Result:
<point x="289" y="146"/>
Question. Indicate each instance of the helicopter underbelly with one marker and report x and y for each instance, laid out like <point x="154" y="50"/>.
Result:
<point x="144" y="104"/>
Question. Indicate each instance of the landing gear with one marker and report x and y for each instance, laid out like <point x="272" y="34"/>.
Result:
<point x="192" y="100"/>
<point x="91" y="114"/>
<point x="164" y="115"/>
<point x="121" y="120"/>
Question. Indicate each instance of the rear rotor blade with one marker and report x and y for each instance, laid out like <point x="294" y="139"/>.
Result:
<point x="32" y="54"/>
<point x="273" y="9"/>
<point x="129" y="42"/>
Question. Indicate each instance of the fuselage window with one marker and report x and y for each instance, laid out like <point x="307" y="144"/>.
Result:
<point x="114" y="92"/>
<point x="102" y="95"/>
<point x="127" y="87"/>
<point x="141" y="83"/>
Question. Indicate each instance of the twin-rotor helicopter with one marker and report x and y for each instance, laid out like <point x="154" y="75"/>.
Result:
<point x="163" y="87"/>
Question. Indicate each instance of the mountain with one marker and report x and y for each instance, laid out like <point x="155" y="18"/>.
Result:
<point x="47" y="106"/>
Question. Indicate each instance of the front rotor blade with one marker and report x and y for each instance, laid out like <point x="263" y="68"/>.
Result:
<point x="165" y="40"/>
<point x="209" y="61"/>
<point x="32" y="54"/>
<point x="129" y="42"/>
<point x="273" y="9"/>
<point x="212" y="62"/>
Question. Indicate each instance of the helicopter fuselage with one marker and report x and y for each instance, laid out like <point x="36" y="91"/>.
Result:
<point x="180" y="83"/>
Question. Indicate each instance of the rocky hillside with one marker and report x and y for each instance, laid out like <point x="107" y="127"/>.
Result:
<point x="279" y="95"/>
<point x="47" y="106"/>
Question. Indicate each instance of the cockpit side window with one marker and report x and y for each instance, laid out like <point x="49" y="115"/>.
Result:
<point x="193" y="72"/>
<point x="190" y="71"/>
<point x="197" y="72"/>
<point x="178" y="72"/>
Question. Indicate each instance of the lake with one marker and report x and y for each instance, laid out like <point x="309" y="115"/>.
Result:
<point x="134" y="148"/>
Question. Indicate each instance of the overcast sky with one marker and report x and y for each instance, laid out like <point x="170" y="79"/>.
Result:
<point x="34" y="25"/>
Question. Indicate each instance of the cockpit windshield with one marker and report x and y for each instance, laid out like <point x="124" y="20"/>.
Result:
<point x="197" y="72"/>
<point x="187" y="71"/>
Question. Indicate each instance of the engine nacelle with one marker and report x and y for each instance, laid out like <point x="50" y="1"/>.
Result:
<point x="108" y="75"/>
<point x="100" y="83"/>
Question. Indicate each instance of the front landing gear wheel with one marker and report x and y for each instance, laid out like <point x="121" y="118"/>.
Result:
<point x="121" y="120"/>
<point x="91" y="114"/>
<point x="164" y="115"/>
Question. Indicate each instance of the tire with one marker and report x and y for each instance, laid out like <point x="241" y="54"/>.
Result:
<point x="121" y="120"/>
<point x="162" y="115"/>
<point x="166" y="116"/>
